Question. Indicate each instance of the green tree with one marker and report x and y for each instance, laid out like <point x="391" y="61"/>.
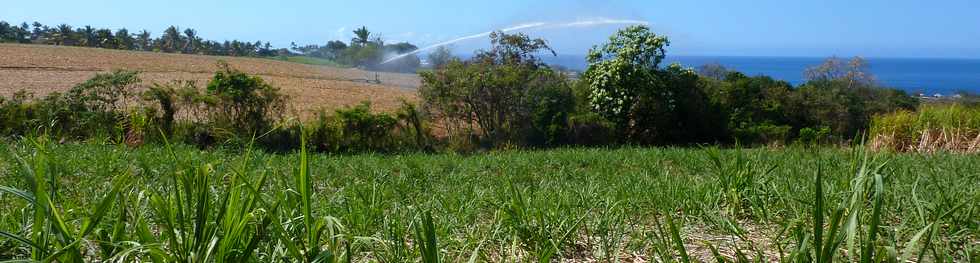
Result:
<point x="193" y="41"/>
<point x="5" y="31"/>
<point x="440" y="57"/>
<point x="104" y="38"/>
<point x="171" y="40"/>
<point x="246" y="103"/>
<point x="88" y="37"/>
<point x="361" y="37"/>
<point x="144" y="41"/>
<point x="844" y="96"/>
<point x="39" y="31"/>
<point x="124" y="40"/>
<point x="507" y="92"/>
<point x="334" y="49"/>
<point x="757" y="109"/>
<point x="649" y="104"/>
<point x="64" y="35"/>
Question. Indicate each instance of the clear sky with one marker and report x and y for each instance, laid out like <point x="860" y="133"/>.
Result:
<point x="873" y="28"/>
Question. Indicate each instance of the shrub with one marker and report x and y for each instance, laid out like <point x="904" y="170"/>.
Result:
<point x="505" y="94"/>
<point x="751" y="106"/>
<point x="245" y="104"/>
<point x="590" y="129"/>
<point x="765" y="133"/>
<point x="106" y="92"/>
<point x="17" y="114"/>
<point x="813" y="136"/>
<point x="356" y="129"/>
<point x="414" y="122"/>
<point x="96" y="107"/>
<point x="363" y="131"/>
<point x="845" y="108"/>
<point x="550" y="105"/>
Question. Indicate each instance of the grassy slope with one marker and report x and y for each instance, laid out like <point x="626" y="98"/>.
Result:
<point x="505" y="205"/>
<point x="311" y="61"/>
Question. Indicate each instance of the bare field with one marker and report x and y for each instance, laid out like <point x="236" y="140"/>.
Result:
<point x="44" y="69"/>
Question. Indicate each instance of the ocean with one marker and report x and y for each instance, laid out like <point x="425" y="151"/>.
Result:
<point x="915" y="75"/>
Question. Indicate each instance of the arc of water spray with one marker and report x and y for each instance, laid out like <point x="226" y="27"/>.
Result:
<point x="584" y="23"/>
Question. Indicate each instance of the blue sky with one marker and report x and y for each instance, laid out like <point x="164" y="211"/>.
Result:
<point x="873" y="28"/>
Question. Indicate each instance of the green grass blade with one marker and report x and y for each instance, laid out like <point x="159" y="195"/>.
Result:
<point x="818" y="217"/>
<point x="20" y="239"/>
<point x="19" y="193"/>
<point x="675" y="236"/>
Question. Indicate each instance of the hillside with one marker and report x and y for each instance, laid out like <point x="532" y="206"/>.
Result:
<point x="43" y="69"/>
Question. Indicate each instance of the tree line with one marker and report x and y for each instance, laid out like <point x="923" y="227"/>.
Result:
<point x="173" y="40"/>
<point x="507" y="96"/>
<point x="502" y="97"/>
<point x="365" y="50"/>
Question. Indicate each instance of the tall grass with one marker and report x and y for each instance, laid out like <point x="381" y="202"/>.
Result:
<point x="82" y="203"/>
<point x="934" y="127"/>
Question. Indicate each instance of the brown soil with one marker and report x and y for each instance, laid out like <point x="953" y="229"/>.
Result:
<point x="42" y="69"/>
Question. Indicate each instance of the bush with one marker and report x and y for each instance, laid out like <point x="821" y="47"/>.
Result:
<point x="590" y="129"/>
<point x="17" y="115"/>
<point x="847" y="109"/>
<point x="107" y="92"/>
<point x="414" y="122"/>
<point x="754" y="110"/>
<point x="98" y="105"/>
<point x="95" y="108"/>
<point x="506" y="94"/>
<point x="363" y="131"/>
<point x="550" y="105"/>
<point x="170" y="99"/>
<point x="814" y="136"/>
<point x="356" y="129"/>
<point x="246" y="105"/>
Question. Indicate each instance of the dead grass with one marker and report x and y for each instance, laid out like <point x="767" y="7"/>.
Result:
<point x="44" y="69"/>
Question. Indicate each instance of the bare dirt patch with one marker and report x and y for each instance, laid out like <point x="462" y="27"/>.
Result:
<point x="41" y="69"/>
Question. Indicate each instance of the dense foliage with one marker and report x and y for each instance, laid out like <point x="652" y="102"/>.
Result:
<point x="233" y="109"/>
<point x="501" y="97"/>
<point x="649" y="104"/>
<point x="505" y="94"/>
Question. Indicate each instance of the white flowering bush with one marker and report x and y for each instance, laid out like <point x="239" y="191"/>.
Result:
<point x="618" y="68"/>
<point x="648" y="103"/>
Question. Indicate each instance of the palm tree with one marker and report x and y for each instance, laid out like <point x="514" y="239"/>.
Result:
<point x="88" y="36"/>
<point x="39" y="30"/>
<point x="144" y="41"/>
<point x="63" y="35"/>
<point x="361" y="37"/>
<point x="192" y="43"/>
<point x="104" y="38"/>
<point x="171" y="39"/>
<point x="124" y="40"/>
<point x="4" y="31"/>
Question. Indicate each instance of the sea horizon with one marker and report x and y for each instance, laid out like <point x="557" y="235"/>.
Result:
<point x="916" y="75"/>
